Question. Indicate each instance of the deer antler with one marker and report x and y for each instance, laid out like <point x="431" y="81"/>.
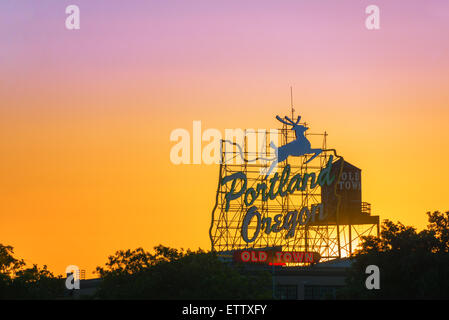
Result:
<point x="290" y="120"/>
<point x="290" y="123"/>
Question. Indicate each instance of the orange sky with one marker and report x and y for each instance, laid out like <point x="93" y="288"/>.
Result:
<point x="86" y="116"/>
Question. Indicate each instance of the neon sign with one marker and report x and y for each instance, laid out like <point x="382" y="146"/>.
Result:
<point x="275" y="257"/>
<point x="279" y="186"/>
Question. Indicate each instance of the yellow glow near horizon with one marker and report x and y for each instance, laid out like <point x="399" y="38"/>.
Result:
<point x="86" y="116"/>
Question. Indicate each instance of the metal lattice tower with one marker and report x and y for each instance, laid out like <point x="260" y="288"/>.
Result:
<point x="333" y="240"/>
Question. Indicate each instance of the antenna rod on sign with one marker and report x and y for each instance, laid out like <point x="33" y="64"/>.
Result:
<point x="291" y="102"/>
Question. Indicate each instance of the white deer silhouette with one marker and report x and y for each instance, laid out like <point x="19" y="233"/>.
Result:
<point x="299" y="147"/>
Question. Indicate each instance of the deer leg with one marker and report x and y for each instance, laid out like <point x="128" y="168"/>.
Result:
<point x="317" y="152"/>
<point x="273" y="164"/>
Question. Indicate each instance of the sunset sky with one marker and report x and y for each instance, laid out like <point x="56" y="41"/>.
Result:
<point x="86" y="115"/>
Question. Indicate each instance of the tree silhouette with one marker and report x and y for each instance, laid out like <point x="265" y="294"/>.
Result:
<point x="19" y="282"/>
<point x="175" y="274"/>
<point x="413" y="265"/>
